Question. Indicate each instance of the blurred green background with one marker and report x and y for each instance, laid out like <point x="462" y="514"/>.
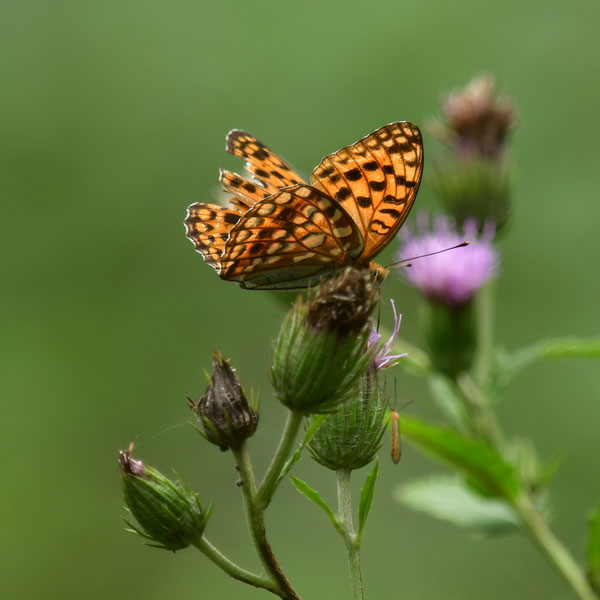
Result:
<point x="113" y="116"/>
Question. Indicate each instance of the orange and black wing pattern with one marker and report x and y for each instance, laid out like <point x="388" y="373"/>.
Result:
<point x="269" y="172"/>
<point x="290" y="240"/>
<point x="376" y="181"/>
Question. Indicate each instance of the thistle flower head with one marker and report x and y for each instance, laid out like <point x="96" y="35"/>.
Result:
<point x="451" y="278"/>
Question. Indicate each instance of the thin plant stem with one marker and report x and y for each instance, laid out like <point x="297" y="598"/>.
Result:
<point x="541" y="534"/>
<point x="484" y="418"/>
<point x="485" y="328"/>
<point x="489" y="428"/>
<point x="352" y="544"/>
<point x="233" y="570"/>
<point x="271" y="478"/>
<point x="256" y="523"/>
<point x="556" y="554"/>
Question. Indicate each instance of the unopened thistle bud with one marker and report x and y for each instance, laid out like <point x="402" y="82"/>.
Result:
<point x="167" y="512"/>
<point x="478" y="119"/>
<point x="226" y="416"/>
<point x="474" y="178"/>
<point x="350" y="436"/>
<point x="320" y="351"/>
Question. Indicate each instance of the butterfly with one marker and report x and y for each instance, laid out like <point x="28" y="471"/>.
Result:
<point x="281" y="233"/>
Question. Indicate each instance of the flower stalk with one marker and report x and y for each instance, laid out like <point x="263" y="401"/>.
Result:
<point x="539" y="530"/>
<point x="286" y="443"/>
<point x="350" y="537"/>
<point x="233" y="570"/>
<point x="256" y="523"/>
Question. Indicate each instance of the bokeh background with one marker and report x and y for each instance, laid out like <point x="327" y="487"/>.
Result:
<point x="113" y="116"/>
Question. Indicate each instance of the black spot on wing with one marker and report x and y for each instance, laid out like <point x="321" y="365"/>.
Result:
<point x="231" y="218"/>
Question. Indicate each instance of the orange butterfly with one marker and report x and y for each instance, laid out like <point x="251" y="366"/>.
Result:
<point x="282" y="233"/>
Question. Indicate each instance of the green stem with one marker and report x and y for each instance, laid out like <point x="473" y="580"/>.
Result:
<point x="486" y="425"/>
<point x="552" y="549"/>
<point x="484" y="418"/>
<point x="352" y="544"/>
<point x="558" y="556"/>
<point x="232" y="569"/>
<point x="485" y="329"/>
<point x="271" y="478"/>
<point x="256" y="523"/>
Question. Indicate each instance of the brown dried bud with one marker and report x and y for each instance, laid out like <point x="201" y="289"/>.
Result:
<point x="345" y="302"/>
<point x="226" y="416"/>
<point x="129" y="465"/>
<point x="478" y="119"/>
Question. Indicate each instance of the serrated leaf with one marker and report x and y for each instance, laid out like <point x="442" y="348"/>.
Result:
<point x="315" y="497"/>
<point x="593" y="550"/>
<point x="366" y="498"/>
<point x="474" y="458"/>
<point x="448" y="498"/>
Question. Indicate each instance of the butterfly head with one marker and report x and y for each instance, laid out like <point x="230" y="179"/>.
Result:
<point x="378" y="273"/>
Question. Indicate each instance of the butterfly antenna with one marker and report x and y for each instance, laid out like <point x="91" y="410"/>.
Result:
<point x="407" y="260"/>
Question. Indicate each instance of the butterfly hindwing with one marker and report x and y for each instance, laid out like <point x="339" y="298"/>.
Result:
<point x="245" y="193"/>
<point x="271" y="171"/>
<point x="208" y="227"/>
<point x="290" y="240"/>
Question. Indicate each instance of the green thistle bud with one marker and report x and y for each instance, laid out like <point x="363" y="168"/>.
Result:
<point x="350" y="436"/>
<point x="320" y="351"/>
<point x="450" y="333"/>
<point x="474" y="187"/>
<point x="168" y="513"/>
<point x="226" y="416"/>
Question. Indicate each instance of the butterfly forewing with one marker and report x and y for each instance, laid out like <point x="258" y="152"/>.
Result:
<point x="375" y="180"/>
<point x="290" y="240"/>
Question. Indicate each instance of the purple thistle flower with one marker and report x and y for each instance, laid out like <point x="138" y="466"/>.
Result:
<point x="453" y="277"/>
<point x="382" y="359"/>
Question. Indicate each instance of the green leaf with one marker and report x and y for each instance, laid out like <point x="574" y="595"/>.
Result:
<point x="314" y="496"/>
<point x="366" y="498"/>
<point x="593" y="550"/>
<point x="308" y="435"/>
<point x="508" y="365"/>
<point x="448" y="498"/>
<point x="474" y="458"/>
